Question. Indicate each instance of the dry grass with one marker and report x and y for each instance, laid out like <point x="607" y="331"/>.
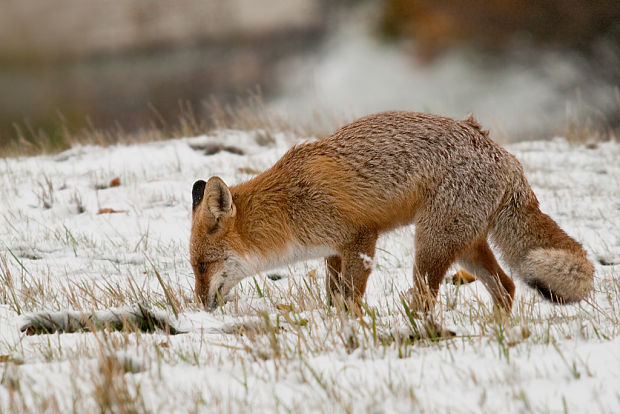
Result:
<point x="245" y="114"/>
<point x="250" y="113"/>
<point x="598" y="126"/>
<point x="281" y="330"/>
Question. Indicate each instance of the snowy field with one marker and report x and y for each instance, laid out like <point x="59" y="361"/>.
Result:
<point x="275" y="347"/>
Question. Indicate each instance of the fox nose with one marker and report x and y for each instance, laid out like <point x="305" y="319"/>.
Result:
<point x="214" y="299"/>
<point x="207" y="301"/>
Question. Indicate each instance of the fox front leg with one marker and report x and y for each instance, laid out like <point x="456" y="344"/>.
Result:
<point x="355" y="264"/>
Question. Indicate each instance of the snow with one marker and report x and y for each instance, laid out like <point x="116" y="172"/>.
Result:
<point x="274" y="346"/>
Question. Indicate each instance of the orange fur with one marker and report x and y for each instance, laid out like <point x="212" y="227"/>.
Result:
<point x="463" y="277"/>
<point x="333" y="197"/>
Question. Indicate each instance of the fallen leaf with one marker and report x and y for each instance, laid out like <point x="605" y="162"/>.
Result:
<point x="4" y="358"/>
<point x="463" y="277"/>
<point x="110" y="211"/>
<point x="115" y="182"/>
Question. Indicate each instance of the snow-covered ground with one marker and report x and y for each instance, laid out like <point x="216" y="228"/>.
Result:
<point x="275" y="346"/>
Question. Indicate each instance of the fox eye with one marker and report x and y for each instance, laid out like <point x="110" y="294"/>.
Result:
<point x="202" y="266"/>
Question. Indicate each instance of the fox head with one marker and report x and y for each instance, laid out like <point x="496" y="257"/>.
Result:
<point x="215" y="247"/>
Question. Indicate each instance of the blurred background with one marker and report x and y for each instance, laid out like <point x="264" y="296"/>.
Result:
<point x="527" y="69"/>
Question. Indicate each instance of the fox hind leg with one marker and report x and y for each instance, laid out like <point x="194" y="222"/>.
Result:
<point x="479" y="260"/>
<point x="436" y="247"/>
<point x="429" y="270"/>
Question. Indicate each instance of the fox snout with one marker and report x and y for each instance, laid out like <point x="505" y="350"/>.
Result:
<point x="202" y="288"/>
<point x="209" y="303"/>
<point x="216" y="296"/>
<point x="214" y="283"/>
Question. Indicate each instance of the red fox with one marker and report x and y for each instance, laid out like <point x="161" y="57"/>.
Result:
<point x="334" y="196"/>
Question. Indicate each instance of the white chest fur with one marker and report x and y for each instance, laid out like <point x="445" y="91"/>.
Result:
<point x="294" y="252"/>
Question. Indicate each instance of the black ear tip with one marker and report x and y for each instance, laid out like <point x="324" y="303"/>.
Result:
<point x="198" y="191"/>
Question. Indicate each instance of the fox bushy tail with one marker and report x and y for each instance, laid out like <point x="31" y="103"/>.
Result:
<point x="541" y="253"/>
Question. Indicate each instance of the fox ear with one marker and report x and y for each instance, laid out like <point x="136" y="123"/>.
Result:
<point x="218" y="198"/>
<point x="198" y="192"/>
